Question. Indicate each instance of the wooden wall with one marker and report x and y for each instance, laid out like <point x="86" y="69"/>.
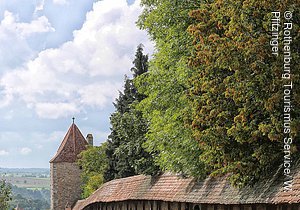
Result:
<point x="162" y="205"/>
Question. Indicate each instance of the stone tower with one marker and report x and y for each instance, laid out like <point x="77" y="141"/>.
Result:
<point x="90" y="139"/>
<point x="64" y="172"/>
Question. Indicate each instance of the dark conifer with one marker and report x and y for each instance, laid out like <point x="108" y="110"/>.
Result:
<point x="125" y="152"/>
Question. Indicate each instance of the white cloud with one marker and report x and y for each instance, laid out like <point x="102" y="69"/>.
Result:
<point x="39" y="6"/>
<point x="110" y="36"/>
<point x="55" y="110"/>
<point x="85" y="72"/>
<point x="40" y="25"/>
<point x="60" y="2"/>
<point x="10" y="24"/>
<point x="3" y="153"/>
<point x="25" y="151"/>
<point x="14" y="39"/>
<point x="98" y="94"/>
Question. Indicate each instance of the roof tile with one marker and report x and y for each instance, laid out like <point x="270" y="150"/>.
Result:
<point x="171" y="188"/>
<point x="71" y="146"/>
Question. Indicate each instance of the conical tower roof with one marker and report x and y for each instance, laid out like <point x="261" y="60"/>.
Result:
<point x="72" y="144"/>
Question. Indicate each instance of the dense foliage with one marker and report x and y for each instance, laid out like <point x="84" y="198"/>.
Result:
<point x="5" y="194"/>
<point x="30" y="199"/>
<point x="167" y="83"/>
<point x="29" y="204"/>
<point x="237" y="88"/>
<point x="126" y="156"/>
<point x="93" y="162"/>
<point x="214" y="89"/>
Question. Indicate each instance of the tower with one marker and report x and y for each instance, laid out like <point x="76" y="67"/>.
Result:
<point x="90" y="139"/>
<point x="64" y="172"/>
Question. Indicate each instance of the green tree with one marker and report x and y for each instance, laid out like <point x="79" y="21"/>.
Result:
<point x="28" y="203"/>
<point x="236" y="87"/>
<point x="5" y="195"/>
<point x="166" y="85"/>
<point x="125" y="152"/>
<point x="93" y="162"/>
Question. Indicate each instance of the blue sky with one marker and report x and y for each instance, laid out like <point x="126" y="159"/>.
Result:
<point x="59" y="59"/>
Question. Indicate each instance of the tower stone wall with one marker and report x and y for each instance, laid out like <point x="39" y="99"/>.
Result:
<point x="64" y="171"/>
<point x="65" y="185"/>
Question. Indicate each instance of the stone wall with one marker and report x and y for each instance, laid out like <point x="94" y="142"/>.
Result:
<point x="65" y="184"/>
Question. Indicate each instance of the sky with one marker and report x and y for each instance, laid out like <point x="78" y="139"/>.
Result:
<point x="59" y="59"/>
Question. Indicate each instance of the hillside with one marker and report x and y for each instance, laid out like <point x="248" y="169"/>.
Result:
<point x="30" y="187"/>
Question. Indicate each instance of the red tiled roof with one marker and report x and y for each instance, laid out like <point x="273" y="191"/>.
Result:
<point x="174" y="188"/>
<point x="72" y="144"/>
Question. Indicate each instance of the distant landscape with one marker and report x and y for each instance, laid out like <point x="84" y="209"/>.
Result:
<point x="30" y="187"/>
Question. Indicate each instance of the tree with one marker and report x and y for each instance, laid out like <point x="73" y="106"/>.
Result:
<point x="221" y="87"/>
<point x="93" y="162"/>
<point x="236" y="88"/>
<point x="140" y="66"/>
<point x="166" y="86"/>
<point x="125" y="150"/>
<point x="5" y="195"/>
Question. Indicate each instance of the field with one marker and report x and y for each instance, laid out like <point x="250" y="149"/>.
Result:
<point x="28" y="182"/>
<point x="27" y="178"/>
